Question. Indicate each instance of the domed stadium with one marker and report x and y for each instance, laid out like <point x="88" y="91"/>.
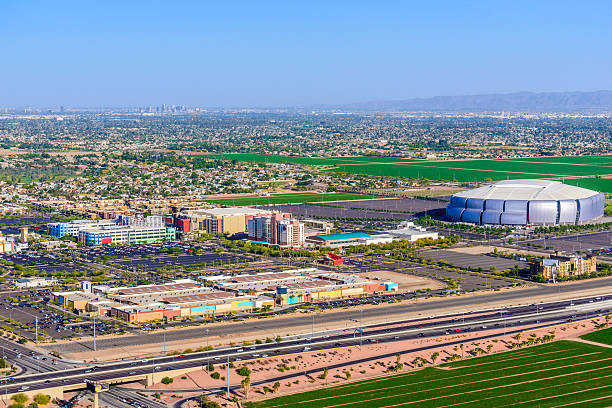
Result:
<point x="526" y="202"/>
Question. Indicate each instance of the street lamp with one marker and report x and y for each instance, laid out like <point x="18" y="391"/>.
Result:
<point x="94" y="333"/>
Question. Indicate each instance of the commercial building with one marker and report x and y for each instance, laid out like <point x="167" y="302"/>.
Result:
<point x="34" y="282"/>
<point x="144" y="294"/>
<point x="260" y="282"/>
<point x="123" y="234"/>
<point x="72" y="228"/>
<point x="6" y="245"/>
<point x="144" y="313"/>
<point x="331" y="286"/>
<point x="302" y="285"/>
<point x="561" y="266"/>
<point x="221" y="220"/>
<point x="526" y="202"/>
<point x="75" y="300"/>
<point x="277" y="229"/>
<point x="218" y="302"/>
<point x="319" y="225"/>
<point x="348" y="239"/>
<point x="180" y="307"/>
<point x="411" y="232"/>
<point x="140" y="220"/>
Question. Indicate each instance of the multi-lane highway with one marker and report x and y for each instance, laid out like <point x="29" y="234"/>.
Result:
<point x="338" y="318"/>
<point x="511" y="319"/>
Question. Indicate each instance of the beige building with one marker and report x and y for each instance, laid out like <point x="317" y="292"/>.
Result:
<point x="222" y="220"/>
<point x="560" y="266"/>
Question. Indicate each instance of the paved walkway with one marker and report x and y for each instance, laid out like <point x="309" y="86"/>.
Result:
<point x="590" y="342"/>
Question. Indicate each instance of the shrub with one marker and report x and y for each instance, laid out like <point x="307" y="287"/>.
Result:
<point x="42" y="399"/>
<point x="215" y="375"/>
<point x="20" y="398"/>
<point x="244" y="371"/>
<point x="167" y="380"/>
<point x="16" y="405"/>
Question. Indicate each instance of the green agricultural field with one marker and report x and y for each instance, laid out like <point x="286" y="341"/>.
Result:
<point x="521" y="167"/>
<point x="292" y="198"/>
<point x="600" y="336"/>
<point x="571" y="159"/>
<point x="458" y="170"/>
<point x="597" y="184"/>
<point x="419" y="171"/>
<point x="559" y="374"/>
<point x="316" y="161"/>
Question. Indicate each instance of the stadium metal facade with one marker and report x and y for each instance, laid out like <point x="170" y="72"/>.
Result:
<point x="526" y="202"/>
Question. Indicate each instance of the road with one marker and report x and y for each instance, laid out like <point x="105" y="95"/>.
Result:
<point x="29" y="361"/>
<point x="513" y="320"/>
<point x="336" y="318"/>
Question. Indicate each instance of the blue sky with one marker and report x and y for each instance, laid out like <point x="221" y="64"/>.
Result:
<point x="267" y="53"/>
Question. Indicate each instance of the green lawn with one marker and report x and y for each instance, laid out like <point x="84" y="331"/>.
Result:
<point x="291" y="198"/>
<point x="600" y="336"/>
<point x="562" y="373"/>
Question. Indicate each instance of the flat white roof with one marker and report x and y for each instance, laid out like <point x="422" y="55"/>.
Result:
<point x="529" y="189"/>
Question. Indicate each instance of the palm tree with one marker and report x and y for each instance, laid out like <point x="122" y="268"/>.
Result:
<point x="276" y="387"/>
<point x="434" y="357"/>
<point x="246" y="384"/>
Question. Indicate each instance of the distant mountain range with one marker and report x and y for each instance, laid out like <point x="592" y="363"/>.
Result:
<point x="513" y="102"/>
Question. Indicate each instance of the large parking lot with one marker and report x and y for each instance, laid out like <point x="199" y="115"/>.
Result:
<point x="29" y="258"/>
<point x="580" y="242"/>
<point x="129" y="251"/>
<point x="55" y="323"/>
<point x="474" y="261"/>
<point x="319" y="211"/>
<point x="182" y="260"/>
<point x="411" y="205"/>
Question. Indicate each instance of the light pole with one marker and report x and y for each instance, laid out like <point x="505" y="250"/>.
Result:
<point x="228" y="379"/>
<point x="312" y="330"/>
<point x="207" y="353"/>
<point x="36" y="329"/>
<point x="94" y="333"/>
<point x="164" y="341"/>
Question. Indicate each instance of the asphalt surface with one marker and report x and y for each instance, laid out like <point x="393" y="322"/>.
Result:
<point x="512" y="319"/>
<point x="284" y="325"/>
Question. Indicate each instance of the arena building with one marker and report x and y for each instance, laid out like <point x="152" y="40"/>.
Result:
<point x="526" y="202"/>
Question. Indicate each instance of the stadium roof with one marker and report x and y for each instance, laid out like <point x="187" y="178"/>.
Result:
<point x="345" y="235"/>
<point x="528" y="190"/>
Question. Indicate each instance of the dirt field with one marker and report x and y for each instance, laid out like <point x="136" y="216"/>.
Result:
<point x="485" y="249"/>
<point x="407" y="283"/>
